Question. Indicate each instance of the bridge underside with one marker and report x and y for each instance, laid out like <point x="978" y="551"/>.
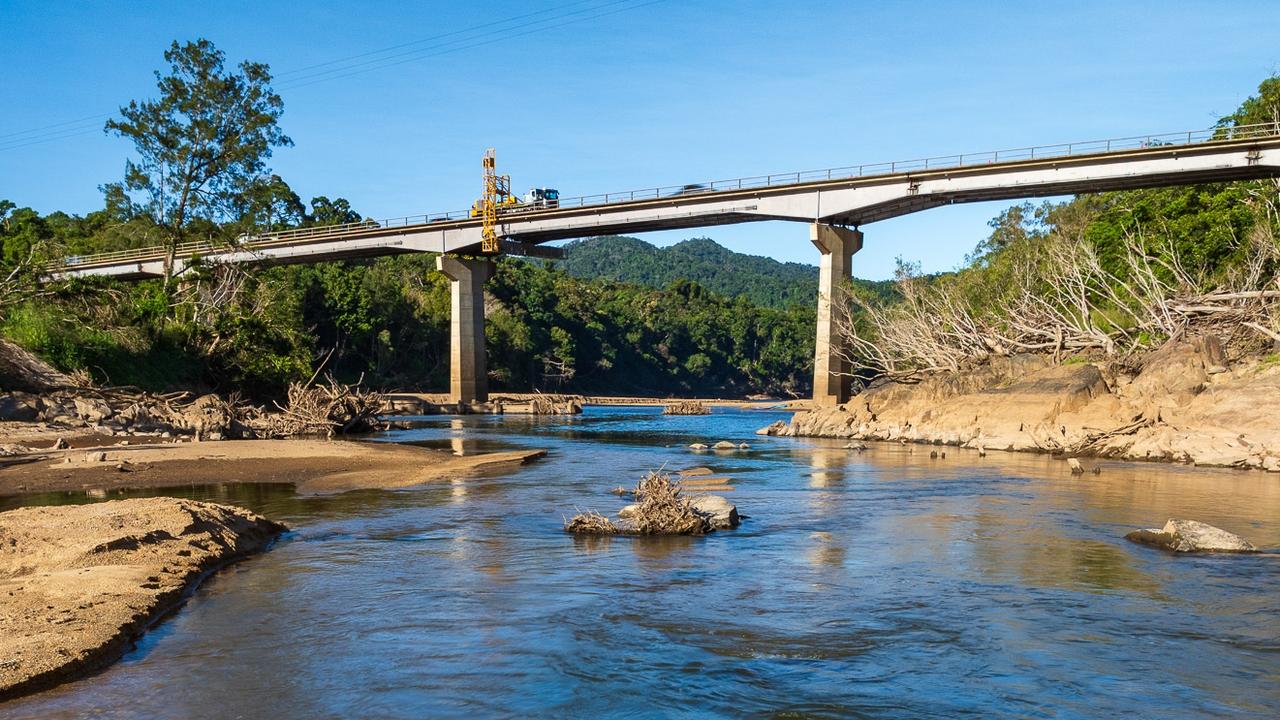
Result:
<point x="916" y="203"/>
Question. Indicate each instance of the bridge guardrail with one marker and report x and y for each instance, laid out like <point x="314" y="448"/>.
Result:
<point x="943" y="162"/>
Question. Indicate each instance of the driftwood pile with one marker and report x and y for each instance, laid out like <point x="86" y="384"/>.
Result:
<point x="660" y="509"/>
<point x="329" y="408"/>
<point x="590" y="523"/>
<point x="685" y="407"/>
<point x="313" y="409"/>
<point x="555" y="405"/>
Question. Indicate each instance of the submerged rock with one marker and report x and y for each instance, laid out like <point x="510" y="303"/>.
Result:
<point x="1192" y="536"/>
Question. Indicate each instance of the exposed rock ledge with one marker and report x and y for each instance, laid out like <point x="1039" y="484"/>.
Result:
<point x="1188" y="536"/>
<point x="81" y="582"/>
<point x="1183" y="404"/>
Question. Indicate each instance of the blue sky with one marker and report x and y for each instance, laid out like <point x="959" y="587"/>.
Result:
<point x="633" y="93"/>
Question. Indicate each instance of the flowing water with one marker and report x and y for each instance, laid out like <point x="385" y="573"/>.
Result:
<point x="882" y="584"/>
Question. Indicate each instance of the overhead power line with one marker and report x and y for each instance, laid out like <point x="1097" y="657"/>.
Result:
<point x="55" y="125"/>
<point x="295" y="71"/>
<point x="461" y="43"/>
<point x="442" y="49"/>
<point x="464" y="39"/>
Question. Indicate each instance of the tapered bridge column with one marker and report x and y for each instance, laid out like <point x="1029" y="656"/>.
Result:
<point x="468" y="371"/>
<point x="831" y="379"/>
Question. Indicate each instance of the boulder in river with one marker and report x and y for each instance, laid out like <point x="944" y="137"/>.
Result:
<point x="1192" y="536"/>
<point x="720" y="513"/>
<point x="698" y="446"/>
<point x="778" y="427"/>
<point x="725" y="445"/>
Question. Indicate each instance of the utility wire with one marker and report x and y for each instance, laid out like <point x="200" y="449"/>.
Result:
<point x="431" y="50"/>
<point x="55" y="125"/>
<point x="473" y="28"/>
<point x="473" y="45"/>
<point x="61" y="131"/>
<point x="96" y="129"/>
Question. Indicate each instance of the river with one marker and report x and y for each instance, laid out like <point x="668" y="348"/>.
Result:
<point x="881" y="584"/>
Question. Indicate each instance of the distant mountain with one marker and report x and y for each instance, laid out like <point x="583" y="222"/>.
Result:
<point x="762" y="280"/>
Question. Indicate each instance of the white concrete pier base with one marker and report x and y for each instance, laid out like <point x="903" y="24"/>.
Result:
<point x="468" y="370"/>
<point x="831" y="380"/>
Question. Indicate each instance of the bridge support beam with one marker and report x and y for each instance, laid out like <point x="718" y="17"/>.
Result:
<point x="831" y="380"/>
<point x="468" y="369"/>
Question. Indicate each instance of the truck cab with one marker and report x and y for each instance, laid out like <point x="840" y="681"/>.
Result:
<point x="542" y="198"/>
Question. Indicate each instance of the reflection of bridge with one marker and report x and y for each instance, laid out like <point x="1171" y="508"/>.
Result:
<point x="830" y="200"/>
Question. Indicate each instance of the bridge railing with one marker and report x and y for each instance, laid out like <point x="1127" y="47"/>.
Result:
<point x="250" y="243"/>
<point x="943" y="162"/>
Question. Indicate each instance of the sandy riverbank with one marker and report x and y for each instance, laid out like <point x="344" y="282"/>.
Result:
<point x="1184" y="403"/>
<point x="314" y="466"/>
<point x="82" y="582"/>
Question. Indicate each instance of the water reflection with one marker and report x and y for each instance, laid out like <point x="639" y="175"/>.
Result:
<point x="825" y="550"/>
<point x="828" y="465"/>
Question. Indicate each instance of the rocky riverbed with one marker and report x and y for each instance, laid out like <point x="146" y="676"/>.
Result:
<point x="1184" y="403"/>
<point x="82" y="582"/>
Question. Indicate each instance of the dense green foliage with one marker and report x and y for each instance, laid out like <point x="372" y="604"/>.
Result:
<point x="388" y="321"/>
<point x="762" y="280"/>
<point x="604" y="336"/>
<point x="201" y="146"/>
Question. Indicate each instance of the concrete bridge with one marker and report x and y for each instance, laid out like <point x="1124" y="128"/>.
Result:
<point x="834" y="202"/>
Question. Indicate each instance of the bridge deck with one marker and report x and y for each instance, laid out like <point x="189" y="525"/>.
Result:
<point x="883" y="190"/>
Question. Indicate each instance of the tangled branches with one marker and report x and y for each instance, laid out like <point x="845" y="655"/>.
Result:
<point x="329" y="408"/>
<point x="660" y="510"/>
<point x="590" y="523"/>
<point x="1054" y="294"/>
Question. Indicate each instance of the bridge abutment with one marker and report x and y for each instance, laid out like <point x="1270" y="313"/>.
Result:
<point x="831" y="380"/>
<point x="468" y="368"/>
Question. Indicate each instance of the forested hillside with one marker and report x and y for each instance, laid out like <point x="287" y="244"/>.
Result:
<point x="761" y="280"/>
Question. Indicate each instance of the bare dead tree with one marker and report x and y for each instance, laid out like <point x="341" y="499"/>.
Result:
<point x="1057" y="296"/>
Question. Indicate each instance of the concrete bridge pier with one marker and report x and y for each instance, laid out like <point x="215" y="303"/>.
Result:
<point x="468" y="370"/>
<point x="831" y="381"/>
